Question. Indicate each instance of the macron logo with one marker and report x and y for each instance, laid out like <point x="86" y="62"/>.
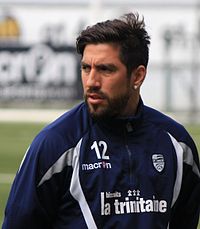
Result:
<point x="96" y="165"/>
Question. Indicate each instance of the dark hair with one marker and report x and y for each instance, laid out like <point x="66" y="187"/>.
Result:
<point x="128" y="32"/>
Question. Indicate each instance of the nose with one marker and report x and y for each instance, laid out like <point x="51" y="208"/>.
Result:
<point x="93" y="79"/>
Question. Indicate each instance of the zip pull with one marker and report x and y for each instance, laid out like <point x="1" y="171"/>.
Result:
<point x="129" y="127"/>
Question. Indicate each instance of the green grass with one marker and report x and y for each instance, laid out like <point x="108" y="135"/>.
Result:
<point x="15" y="139"/>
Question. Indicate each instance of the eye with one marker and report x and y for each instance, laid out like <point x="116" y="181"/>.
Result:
<point x="85" y="68"/>
<point x="107" y="69"/>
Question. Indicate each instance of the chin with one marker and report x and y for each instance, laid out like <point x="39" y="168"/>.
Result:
<point x="100" y="113"/>
<point x="96" y="111"/>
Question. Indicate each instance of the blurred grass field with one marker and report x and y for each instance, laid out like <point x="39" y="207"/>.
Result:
<point x="15" y="139"/>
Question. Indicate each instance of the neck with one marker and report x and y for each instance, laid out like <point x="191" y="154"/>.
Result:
<point x="132" y="105"/>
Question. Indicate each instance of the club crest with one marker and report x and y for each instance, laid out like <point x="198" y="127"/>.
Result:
<point x="158" y="162"/>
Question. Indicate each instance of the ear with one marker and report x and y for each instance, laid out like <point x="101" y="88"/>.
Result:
<point x="138" y="76"/>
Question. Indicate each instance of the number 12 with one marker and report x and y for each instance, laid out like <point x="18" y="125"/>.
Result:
<point x="100" y="155"/>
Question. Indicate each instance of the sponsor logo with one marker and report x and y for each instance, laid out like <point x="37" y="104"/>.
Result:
<point x="112" y="203"/>
<point x="29" y="72"/>
<point x="96" y="165"/>
<point x="158" y="162"/>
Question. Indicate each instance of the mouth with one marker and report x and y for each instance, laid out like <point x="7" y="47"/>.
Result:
<point x="95" y="98"/>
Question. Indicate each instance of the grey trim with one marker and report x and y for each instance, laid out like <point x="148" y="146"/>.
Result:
<point x="189" y="159"/>
<point x="77" y="192"/>
<point x="179" y="173"/>
<point x="184" y="155"/>
<point x="23" y="160"/>
<point x="58" y="166"/>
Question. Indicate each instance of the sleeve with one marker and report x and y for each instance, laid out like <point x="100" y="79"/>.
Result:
<point x="30" y="205"/>
<point x="185" y="212"/>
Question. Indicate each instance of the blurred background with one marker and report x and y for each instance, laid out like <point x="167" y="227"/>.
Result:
<point x="39" y="67"/>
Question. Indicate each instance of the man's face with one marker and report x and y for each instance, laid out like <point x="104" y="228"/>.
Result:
<point x="107" y="88"/>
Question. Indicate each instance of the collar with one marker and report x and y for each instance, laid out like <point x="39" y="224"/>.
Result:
<point x="123" y="124"/>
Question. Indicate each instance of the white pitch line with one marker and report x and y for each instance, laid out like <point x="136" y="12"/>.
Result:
<point x="29" y="115"/>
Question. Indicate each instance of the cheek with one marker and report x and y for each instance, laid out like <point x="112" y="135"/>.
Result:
<point x="119" y="87"/>
<point x="83" y="80"/>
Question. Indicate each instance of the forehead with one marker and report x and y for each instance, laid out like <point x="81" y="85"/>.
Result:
<point x="103" y="53"/>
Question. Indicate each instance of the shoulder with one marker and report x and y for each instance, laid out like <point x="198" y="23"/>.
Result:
<point x="60" y="136"/>
<point x="66" y="130"/>
<point x="70" y="126"/>
<point x="165" y="123"/>
<point x="173" y="128"/>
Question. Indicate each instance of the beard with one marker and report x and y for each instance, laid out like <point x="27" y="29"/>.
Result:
<point x="113" y="107"/>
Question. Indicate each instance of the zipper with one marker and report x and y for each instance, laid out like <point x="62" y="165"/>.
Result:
<point x="130" y="163"/>
<point x="129" y="128"/>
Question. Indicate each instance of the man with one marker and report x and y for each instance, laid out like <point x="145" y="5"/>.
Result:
<point x="110" y="162"/>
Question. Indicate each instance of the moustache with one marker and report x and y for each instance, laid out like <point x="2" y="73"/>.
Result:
<point x="95" y="92"/>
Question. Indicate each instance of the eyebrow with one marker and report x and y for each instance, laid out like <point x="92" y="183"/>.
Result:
<point x="84" y="64"/>
<point x="99" y="66"/>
